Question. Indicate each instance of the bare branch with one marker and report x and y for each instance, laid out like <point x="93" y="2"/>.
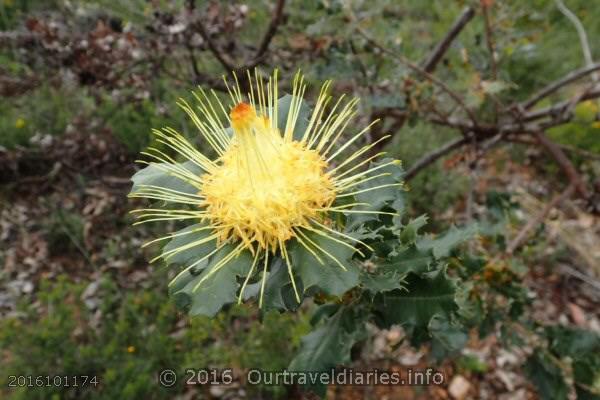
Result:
<point x="489" y="40"/>
<point x="554" y="86"/>
<point x="559" y="108"/>
<point x="225" y="60"/>
<point x="424" y="73"/>
<point x="276" y="20"/>
<point x="212" y="46"/>
<point x="585" y="44"/>
<point x="563" y="161"/>
<point x="441" y="48"/>
<point x="524" y="232"/>
<point x="433" y="156"/>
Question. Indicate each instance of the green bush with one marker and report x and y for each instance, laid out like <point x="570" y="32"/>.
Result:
<point x="137" y="335"/>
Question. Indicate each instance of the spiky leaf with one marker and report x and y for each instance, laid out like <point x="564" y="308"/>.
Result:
<point x="207" y="292"/>
<point x="157" y="174"/>
<point x="326" y="274"/>
<point x="427" y="295"/>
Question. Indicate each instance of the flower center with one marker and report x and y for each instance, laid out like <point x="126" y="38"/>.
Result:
<point x="265" y="187"/>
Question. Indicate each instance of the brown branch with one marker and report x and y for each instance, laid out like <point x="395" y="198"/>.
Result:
<point x="225" y="60"/>
<point x="489" y="40"/>
<point x="441" y="48"/>
<point x="554" y="86"/>
<point x="424" y="73"/>
<point x="212" y="46"/>
<point x="433" y="156"/>
<point x="558" y="108"/>
<point x="524" y="232"/>
<point x="276" y="20"/>
<point x="563" y="161"/>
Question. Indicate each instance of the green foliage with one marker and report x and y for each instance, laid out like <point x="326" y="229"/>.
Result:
<point x="128" y="338"/>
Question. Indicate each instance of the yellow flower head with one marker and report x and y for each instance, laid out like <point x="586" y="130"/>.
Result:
<point x="275" y="178"/>
<point x="265" y="186"/>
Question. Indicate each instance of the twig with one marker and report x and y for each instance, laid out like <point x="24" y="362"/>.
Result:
<point x="276" y="20"/>
<point x="489" y="41"/>
<point x="583" y="39"/>
<point x="212" y="46"/>
<point x="433" y="156"/>
<point x="579" y="275"/>
<point x="229" y="65"/>
<point x="424" y="73"/>
<point x="564" y="162"/>
<point x="442" y="47"/>
<point x="554" y="86"/>
<point x="559" y="107"/>
<point x="524" y="232"/>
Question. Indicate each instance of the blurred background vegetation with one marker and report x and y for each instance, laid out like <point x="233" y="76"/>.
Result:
<point x="83" y="83"/>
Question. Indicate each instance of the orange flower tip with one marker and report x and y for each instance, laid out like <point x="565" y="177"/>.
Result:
<point x="242" y="115"/>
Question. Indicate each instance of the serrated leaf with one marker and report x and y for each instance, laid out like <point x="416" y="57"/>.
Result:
<point x="410" y="260"/>
<point x="448" y="337"/>
<point x="410" y="231"/>
<point x="546" y="376"/>
<point x="382" y="282"/>
<point x="427" y="295"/>
<point x="391" y="197"/>
<point x="329" y="276"/>
<point x="329" y="345"/>
<point x="220" y="286"/>
<point x="155" y="174"/>
<point x="279" y="292"/>
<point x="191" y="255"/>
<point x="442" y="245"/>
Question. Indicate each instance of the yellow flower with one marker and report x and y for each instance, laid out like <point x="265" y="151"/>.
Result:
<point x="131" y="349"/>
<point x="20" y="123"/>
<point x="272" y="181"/>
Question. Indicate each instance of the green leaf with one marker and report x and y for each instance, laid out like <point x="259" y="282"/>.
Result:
<point x="329" y="345"/>
<point x="389" y="197"/>
<point x="279" y="292"/>
<point x="410" y="260"/>
<point x="443" y="245"/>
<point x="410" y="231"/>
<point x="382" y="282"/>
<point x="283" y="109"/>
<point x="191" y="255"/>
<point x="155" y="174"/>
<point x="546" y="376"/>
<point x="329" y="276"/>
<point x="448" y="337"/>
<point x="208" y="296"/>
<point x="428" y="294"/>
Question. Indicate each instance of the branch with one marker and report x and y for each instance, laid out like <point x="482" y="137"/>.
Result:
<point x="276" y="20"/>
<point x="220" y="56"/>
<point x="559" y="108"/>
<point x="424" y="73"/>
<point x="489" y="41"/>
<point x="433" y="156"/>
<point x="442" y="47"/>
<point x="225" y="60"/>
<point x="523" y="233"/>
<point x="554" y="86"/>
<point x="563" y="161"/>
<point x="585" y="44"/>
